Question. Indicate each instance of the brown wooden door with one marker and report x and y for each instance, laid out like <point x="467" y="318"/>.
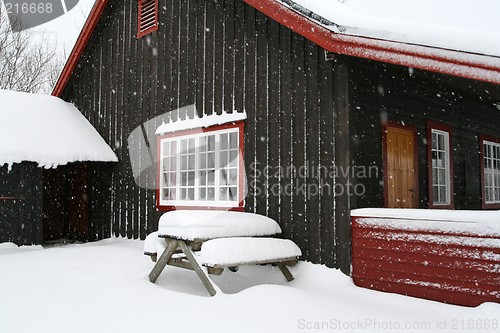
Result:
<point x="401" y="184"/>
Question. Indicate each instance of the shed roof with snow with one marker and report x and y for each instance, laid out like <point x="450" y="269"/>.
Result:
<point x="46" y="130"/>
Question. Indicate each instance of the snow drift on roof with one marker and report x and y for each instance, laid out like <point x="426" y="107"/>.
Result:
<point x="461" y="25"/>
<point x="47" y="130"/>
<point x="205" y="121"/>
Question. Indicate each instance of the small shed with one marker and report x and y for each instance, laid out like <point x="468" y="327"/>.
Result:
<point x="46" y="149"/>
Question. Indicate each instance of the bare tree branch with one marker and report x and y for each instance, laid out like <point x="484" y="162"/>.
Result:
<point x="26" y="65"/>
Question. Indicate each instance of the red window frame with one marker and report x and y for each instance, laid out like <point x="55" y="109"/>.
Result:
<point x="241" y="171"/>
<point x="445" y="128"/>
<point x="154" y="27"/>
<point x="483" y="138"/>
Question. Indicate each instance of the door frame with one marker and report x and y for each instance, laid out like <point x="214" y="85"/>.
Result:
<point x="413" y="129"/>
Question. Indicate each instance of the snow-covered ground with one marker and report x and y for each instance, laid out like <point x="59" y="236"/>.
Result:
<point x="104" y="287"/>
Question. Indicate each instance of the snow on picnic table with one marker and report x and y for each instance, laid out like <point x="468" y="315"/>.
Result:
<point x="103" y="287"/>
<point x="203" y="224"/>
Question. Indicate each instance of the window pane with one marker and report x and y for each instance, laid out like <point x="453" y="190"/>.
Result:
<point x="233" y="140"/>
<point x="183" y="162"/>
<point x="223" y="193"/>
<point x="441" y="142"/>
<point x="211" y="143"/>
<point x="202" y="161"/>
<point x="203" y="178"/>
<point x="442" y="194"/>
<point x="202" y="144"/>
<point x="191" y="194"/>
<point x="191" y="162"/>
<point x="233" y="176"/>
<point x="223" y="159"/>
<point x="223" y="141"/>
<point x="233" y="193"/>
<point x="211" y="160"/>
<point x="183" y="146"/>
<point x="211" y="177"/>
<point x="233" y="158"/>
<point x="434" y="141"/>
<point x="435" y="192"/>
<point x="222" y="177"/>
<point x="191" y="178"/>
<point x="203" y="194"/>
<point x="211" y="193"/>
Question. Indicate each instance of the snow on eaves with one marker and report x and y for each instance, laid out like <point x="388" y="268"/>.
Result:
<point x="468" y="26"/>
<point x="46" y="130"/>
<point x="196" y="122"/>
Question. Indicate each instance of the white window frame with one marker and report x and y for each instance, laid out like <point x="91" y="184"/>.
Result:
<point x="447" y="168"/>
<point x="217" y="202"/>
<point x="492" y="173"/>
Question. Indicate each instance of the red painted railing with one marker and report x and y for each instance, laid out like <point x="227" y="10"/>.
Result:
<point x="439" y="262"/>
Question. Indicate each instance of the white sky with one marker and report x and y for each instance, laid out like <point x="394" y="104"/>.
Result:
<point x="65" y="29"/>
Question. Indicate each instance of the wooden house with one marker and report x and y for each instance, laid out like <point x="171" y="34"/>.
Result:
<point x="334" y="121"/>
<point x="47" y="149"/>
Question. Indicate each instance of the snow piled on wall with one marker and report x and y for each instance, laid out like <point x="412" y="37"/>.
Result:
<point x="46" y="130"/>
<point x="461" y="25"/>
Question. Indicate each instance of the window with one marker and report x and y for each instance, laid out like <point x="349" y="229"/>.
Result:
<point x="440" y="165"/>
<point x="202" y="169"/>
<point x="147" y="17"/>
<point x="491" y="172"/>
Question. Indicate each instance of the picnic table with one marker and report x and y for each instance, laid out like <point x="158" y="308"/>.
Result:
<point x="209" y="241"/>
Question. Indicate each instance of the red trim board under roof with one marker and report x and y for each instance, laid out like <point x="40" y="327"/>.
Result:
<point x="456" y="63"/>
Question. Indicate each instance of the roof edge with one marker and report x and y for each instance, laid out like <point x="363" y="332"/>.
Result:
<point x="456" y="63"/>
<point x="82" y="41"/>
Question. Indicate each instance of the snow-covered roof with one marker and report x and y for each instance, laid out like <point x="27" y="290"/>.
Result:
<point x="460" y="25"/>
<point x="47" y="130"/>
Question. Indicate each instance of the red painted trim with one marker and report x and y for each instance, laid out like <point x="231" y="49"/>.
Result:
<point x="237" y="124"/>
<point x="149" y="30"/>
<point x="483" y="138"/>
<point x="415" y="56"/>
<point x="413" y="129"/>
<point x="11" y="198"/>
<point x="445" y="128"/>
<point x="81" y="43"/>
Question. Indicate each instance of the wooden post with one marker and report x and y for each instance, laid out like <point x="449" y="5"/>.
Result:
<point x="163" y="260"/>
<point x="342" y="162"/>
<point x="201" y="274"/>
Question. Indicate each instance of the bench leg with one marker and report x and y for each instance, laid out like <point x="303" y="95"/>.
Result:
<point x="285" y="271"/>
<point x="163" y="260"/>
<point x="201" y="274"/>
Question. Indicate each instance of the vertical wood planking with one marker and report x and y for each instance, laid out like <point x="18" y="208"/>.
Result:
<point x="250" y="106"/>
<point x="239" y="56"/>
<point x="261" y="113"/>
<point x="274" y="117"/>
<point x="298" y="144"/>
<point x="218" y="33"/>
<point x="327" y="153"/>
<point x="286" y="131"/>
<point x="229" y="51"/>
<point x="200" y="58"/>
<point x="209" y="57"/>
<point x="312" y="141"/>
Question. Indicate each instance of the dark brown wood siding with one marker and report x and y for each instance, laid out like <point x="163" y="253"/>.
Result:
<point x="381" y="92"/>
<point x="220" y="56"/>
<point x="21" y="193"/>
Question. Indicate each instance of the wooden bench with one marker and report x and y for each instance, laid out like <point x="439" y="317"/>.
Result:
<point x="216" y="240"/>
